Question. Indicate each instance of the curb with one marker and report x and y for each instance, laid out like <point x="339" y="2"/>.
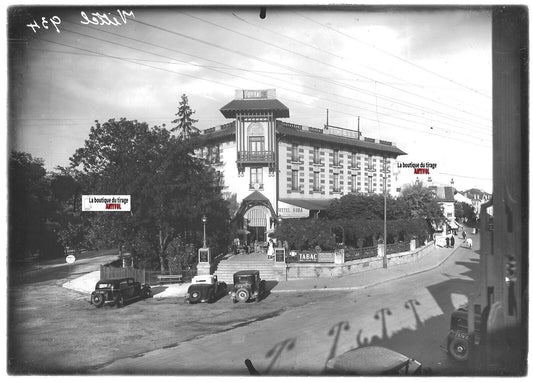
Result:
<point x="370" y="284"/>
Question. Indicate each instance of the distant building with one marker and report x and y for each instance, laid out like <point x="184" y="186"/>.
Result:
<point x="445" y="197"/>
<point x="478" y="197"/>
<point x="276" y="169"/>
<point x="459" y="197"/>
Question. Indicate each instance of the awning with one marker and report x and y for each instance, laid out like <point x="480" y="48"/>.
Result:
<point x="309" y="204"/>
<point x="454" y="224"/>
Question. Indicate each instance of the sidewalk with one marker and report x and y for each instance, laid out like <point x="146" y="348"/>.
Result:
<point x="369" y="278"/>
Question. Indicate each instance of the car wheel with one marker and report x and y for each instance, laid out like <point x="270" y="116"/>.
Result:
<point x="242" y="295"/>
<point x="146" y="293"/>
<point x="119" y="301"/>
<point x="97" y="300"/>
<point x="195" y="296"/>
<point x="459" y="349"/>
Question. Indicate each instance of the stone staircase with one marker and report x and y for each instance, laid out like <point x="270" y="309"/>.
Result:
<point x="254" y="261"/>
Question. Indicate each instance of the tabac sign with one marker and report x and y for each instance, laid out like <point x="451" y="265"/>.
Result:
<point x="307" y="256"/>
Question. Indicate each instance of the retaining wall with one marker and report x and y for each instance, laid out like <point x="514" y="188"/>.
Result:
<point x="325" y="270"/>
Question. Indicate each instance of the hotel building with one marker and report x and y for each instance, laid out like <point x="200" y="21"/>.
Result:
<point x="275" y="169"/>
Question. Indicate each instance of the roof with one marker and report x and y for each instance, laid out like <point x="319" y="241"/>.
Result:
<point x="246" y="272"/>
<point x="461" y="198"/>
<point x="444" y="193"/>
<point x="255" y="196"/>
<point x="250" y="105"/>
<point x="229" y="133"/>
<point x="318" y="137"/>
<point x="309" y="204"/>
<point x="371" y="360"/>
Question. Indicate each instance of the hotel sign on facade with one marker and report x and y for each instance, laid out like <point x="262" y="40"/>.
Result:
<point x="286" y="210"/>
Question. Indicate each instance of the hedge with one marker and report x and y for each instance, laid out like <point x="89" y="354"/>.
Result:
<point x="307" y="234"/>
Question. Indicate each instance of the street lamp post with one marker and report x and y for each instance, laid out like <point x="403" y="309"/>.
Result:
<point x="204" y="220"/>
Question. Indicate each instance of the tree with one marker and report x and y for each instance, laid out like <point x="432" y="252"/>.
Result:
<point x="185" y="123"/>
<point x="421" y="202"/>
<point x="30" y="208"/>
<point x="170" y="188"/>
<point x="67" y="218"/>
<point x="466" y="211"/>
<point x="366" y="206"/>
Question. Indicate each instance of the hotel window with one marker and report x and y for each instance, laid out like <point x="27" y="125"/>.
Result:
<point x="215" y="158"/>
<point x="256" y="143"/>
<point x="354" y="161"/>
<point x="316" y="181"/>
<point x="316" y="155"/>
<point x="354" y="183"/>
<point x="294" y="181"/>
<point x="336" y="161"/>
<point x="336" y="187"/>
<point x="256" y="177"/>
<point x="219" y="178"/>
<point x="294" y="153"/>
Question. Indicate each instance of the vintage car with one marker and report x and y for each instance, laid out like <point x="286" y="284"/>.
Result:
<point x="247" y="285"/>
<point x="119" y="291"/>
<point x="372" y="360"/>
<point x="205" y="288"/>
<point x="459" y="342"/>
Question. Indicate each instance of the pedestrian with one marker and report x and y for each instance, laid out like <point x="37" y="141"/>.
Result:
<point x="447" y="241"/>
<point x="464" y="235"/>
<point x="452" y="241"/>
<point x="270" y="249"/>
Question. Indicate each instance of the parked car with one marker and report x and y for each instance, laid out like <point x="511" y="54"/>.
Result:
<point x="205" y="288"/>
<point x="119" y="291"/>
<point x="459" y="342"/>
<point x="372" y="360"/>
<point x="247" y="285"/>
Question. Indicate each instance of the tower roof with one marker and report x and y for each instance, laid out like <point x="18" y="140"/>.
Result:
<point x="253" y="101"/>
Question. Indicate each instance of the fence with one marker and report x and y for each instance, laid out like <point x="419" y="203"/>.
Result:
<point x="351" y="254"/>
<point x="399" y="247"/>
<point x="108" y="272"/>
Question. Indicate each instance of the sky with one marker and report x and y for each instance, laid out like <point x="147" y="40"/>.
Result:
<point x="419" y="77"/>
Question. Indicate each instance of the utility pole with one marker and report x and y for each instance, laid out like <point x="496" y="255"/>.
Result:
<point x="385" y="214"/>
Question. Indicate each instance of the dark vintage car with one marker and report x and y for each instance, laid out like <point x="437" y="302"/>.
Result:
<point x="459" y="342"/>
<point x="247" y="285"/>
<point x="119" y="291"/>
<point x="372" y="360"/>
<point x="205" y="288"/>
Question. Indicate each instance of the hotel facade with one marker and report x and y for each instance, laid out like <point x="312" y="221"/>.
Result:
<point x="276" y="170"/>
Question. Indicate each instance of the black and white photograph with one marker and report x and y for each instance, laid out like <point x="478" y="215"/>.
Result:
<point x="319" y="190"/>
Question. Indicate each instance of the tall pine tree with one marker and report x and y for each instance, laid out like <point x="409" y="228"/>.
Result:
<point x="185" y="123"/>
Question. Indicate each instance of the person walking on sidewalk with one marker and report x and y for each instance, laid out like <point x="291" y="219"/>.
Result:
<point x="447" y="241"/>
<point x="452" y="241"/>
<point x="464" y="235"/>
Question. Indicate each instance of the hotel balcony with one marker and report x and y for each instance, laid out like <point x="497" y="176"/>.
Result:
<point x="256" y="158"/>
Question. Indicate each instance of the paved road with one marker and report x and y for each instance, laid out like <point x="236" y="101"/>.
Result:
<point x="410" y="315"/>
